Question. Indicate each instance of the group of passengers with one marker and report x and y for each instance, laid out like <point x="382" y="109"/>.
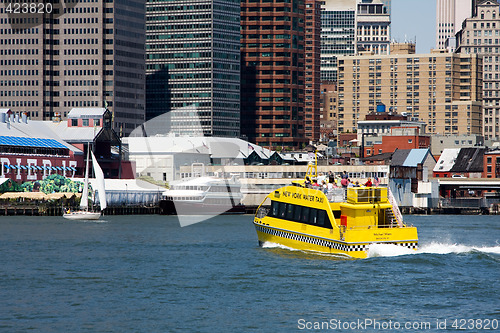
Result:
<point x="329" y="182"/>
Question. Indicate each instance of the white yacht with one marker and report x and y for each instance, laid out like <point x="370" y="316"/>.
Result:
<point x="202" y="196"/>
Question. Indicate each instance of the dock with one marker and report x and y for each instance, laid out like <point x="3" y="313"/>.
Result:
<point x="40" y="210"/>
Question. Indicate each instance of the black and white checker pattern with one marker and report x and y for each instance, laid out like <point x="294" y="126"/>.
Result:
<point x="306" y="239"/>
<point x="323" y="242"/>
<point x="412" y="246"/>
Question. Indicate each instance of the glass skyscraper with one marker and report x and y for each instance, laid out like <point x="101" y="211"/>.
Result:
<point x="193" y="64"/>
<point x="338" y="37"/>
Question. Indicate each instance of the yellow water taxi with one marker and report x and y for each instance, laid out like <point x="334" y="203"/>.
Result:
<point x="342" y="221"/>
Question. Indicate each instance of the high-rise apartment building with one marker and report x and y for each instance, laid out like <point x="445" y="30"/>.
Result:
<point x="444" y="90"/>
<point x="312" y="70"/>
<point x="352" y="26"/>
<point x="273" y="72"/>
<point x="480" y="35"/>
<point x="449" y="17"/>
<point x="329" y="104"/>
<point x="373" y="21"/>
<point x="193" y="65"/>
<point x="74" y="54"/>
<point x="338" y="35"/>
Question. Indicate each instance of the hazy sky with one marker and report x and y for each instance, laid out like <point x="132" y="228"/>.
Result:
<point x="414" y="18"/>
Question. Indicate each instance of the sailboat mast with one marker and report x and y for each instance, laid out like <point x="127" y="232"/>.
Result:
<point x="84" y="201"/>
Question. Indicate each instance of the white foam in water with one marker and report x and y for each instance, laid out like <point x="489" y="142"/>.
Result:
<point x="486" y="249"/>
<point x="271" y="245"/>
<point x="391" y="250"/>
<point x="387" y="250"/>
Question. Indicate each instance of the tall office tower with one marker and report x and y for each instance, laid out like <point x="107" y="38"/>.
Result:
<point x="74" y="54"/>
<point x="449" y="17"/>
<point x="313" y="71"/>
<point x="273" y="66"/>
<point x="480" y="36"/>
<point x="444" y="90"/>
<point x="373" y="22"/>
<point x="193" y="65"/>
<point x="338" y="35"/>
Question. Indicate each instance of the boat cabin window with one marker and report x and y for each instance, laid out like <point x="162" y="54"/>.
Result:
<point x="313" y="216"/>
<point x="282" y="210"/>
<point x="289" y="212"/>
<point x="274" y="209"/>
<point x="305" y="215"/>
<point x="302" y="214"/>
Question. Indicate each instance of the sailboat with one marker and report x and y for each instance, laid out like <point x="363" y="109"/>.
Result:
<point x="84" y="213"/>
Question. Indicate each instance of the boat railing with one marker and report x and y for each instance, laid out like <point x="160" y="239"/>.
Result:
<point x="336" y="195"/>
<point x="367" y="195"/>
<point x="395" y="208"/>
<point x="372" y="226"/>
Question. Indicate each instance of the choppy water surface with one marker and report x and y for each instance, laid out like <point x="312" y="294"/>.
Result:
<point x="147" y="274"/>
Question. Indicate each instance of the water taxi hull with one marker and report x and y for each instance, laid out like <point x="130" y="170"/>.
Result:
<point x="82" y="215"/>
<point x="310" y="242"/>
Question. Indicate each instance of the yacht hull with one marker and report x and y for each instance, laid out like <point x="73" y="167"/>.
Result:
<point x="190" y="208"/>
<point x="80" y="215"/>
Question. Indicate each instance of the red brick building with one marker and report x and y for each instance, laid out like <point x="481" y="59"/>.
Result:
<point x="347" y="139"/>
<point x="491" y="164"/>
<point x="273" y="73"/>
<point x="398" y="140"/>
<point x="312" y="73"/>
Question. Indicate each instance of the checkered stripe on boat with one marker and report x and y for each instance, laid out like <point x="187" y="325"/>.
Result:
<point x="324" y="242"/>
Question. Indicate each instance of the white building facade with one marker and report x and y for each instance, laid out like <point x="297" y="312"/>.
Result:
<point x="449" y="17"/>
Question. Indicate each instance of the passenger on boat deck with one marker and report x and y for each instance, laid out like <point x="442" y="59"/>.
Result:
<point x="349" y="183"/>
<point x="345" y="175"/>
<point x="330" y="186"/>
<point x="338" y="181"/>
<point x="325" y="188"/>
<point x="376" y="182"/>
<point x="315" y="183"/>
<point x="357" y="184"/>
<point x="307" y="183"/>
<point x="369" y="183"/>
<point x="345" y="182"/>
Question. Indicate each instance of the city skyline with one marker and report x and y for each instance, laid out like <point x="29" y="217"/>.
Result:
<point x="405" y="20"/>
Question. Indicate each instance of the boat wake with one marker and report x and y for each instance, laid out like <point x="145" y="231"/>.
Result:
<point x="335" y="256"/>
<point x="391" y="250"/>
<point x="270" y="245"/>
